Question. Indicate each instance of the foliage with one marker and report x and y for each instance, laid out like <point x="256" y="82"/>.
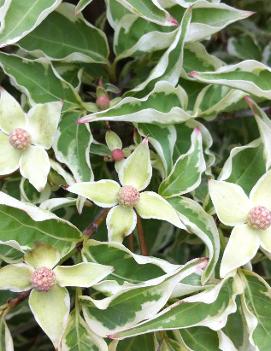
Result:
<point x="135" y="180"/>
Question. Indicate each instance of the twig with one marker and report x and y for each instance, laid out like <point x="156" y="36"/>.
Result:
<point x="141" y="238"/>
<point x="131" y="242"/>
<point x="18" y="299"/>
<point x="91" y="229"/>
<point x="241" y="114"/>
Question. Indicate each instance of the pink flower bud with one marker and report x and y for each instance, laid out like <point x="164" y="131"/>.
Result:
<point x="117" y="155"/>
<point x="103" y="102"/>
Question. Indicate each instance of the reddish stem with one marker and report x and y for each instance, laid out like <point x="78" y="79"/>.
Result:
<point x="92" y="227"/>
<point x="141" y="238"/>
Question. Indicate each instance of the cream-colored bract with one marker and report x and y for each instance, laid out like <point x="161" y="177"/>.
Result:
<point x="40" y="123"/>
<point x="135" y="171"/>
<point x="232" y="206"/>
<point x="51" y="308"/>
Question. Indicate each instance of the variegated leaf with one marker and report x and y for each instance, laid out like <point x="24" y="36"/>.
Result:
<point x="132" y="305"/>
<point x="24" y="16"/>
<point x="164" y="104"/>
<point x="187" y="170"/>
<point x="201" y="224"/>
<point x="72" y="147"/>
<point x="74" y="43"/>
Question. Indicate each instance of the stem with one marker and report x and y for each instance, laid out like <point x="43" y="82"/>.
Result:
<point x="18" y="299"/>
<point x="141" y="238"/>
<point x="131" y="242"/>
<point x="92" y="227"/>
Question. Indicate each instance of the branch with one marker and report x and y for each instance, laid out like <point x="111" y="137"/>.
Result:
<point x="91" y="229"/>
<point x="18" y="299"/>
<point x="141" y="238"/>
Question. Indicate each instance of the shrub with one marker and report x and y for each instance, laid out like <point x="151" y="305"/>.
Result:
<point x="135" y="181"/>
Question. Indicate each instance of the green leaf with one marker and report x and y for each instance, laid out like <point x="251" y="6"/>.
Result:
<point x="149" y="10"/>
<point x="129" y="269"/>
<point x="244" y="47"/>
<point x="72" y="147"/>
<point x="209" y="18"/>
<point x="245" y="165"/>
<point x="27" y="225"/>
<point x="187" y="170"/>
<point x="200" y="339"/>
<point x="134" y="36"/>
<point x="196" y="57"/>
<point x="264" y="125"/>
<point x="39" y="81"/>
<point x="6" y="342"/>
<point x="78" y="337"/>
<point x="142" y="342"/>
<point x="115" y="11"/>
<point x="169" y="66"/>
<point x="201" y="224"/>
<point x="78" y="41"/>
<point x="209" y="308"/>
<point x="162" y="139"/>
<point x="214" y="99"/>
<point x="11" y="251"/>
<point x="132" y="305"/>
<point x="165" y="104"/>
<point x="236" y="329"/>
<point x="81" y="5"/>
<point x="256" y="303"/>
<point x="250" y="76"/>
<point x="22" y="17"/>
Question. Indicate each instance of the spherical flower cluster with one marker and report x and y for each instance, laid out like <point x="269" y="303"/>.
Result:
<point x="20" y="139"/>
<point x="259" y="217"/>
<point x="128" y="196"/>
<point x="43" y="279"/>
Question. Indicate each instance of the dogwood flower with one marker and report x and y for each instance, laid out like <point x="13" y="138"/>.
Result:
<point x="25" y="137"/>
<point x="49" y="300"/>
<point x="250" y="217"/>
<point x="128" y="199"/>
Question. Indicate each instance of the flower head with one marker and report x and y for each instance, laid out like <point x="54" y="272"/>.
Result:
<point x="25" y="137"/>
<point x="19" y="138"/>
<point x="249" y="215"/>
<point x="43" y="279"/>
<point x="127" y="197"/>
<point x="49" y="300"/>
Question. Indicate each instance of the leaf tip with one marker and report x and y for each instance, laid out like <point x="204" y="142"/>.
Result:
<point x="197" y="131"/>
<point x="203" y="263"/>
<point x="145" y="141"/>
<point x="83" y="120"/>
<point x="250" y="13"/>
<point x="172" y="21"/>
<point x="193" y="74"/>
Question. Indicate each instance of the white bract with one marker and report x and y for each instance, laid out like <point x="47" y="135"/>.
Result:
<point x="49" y="300"/>
<point x="25" y="137"/>
<point x="250" y="217"/>
<point x="135" y="175"/>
